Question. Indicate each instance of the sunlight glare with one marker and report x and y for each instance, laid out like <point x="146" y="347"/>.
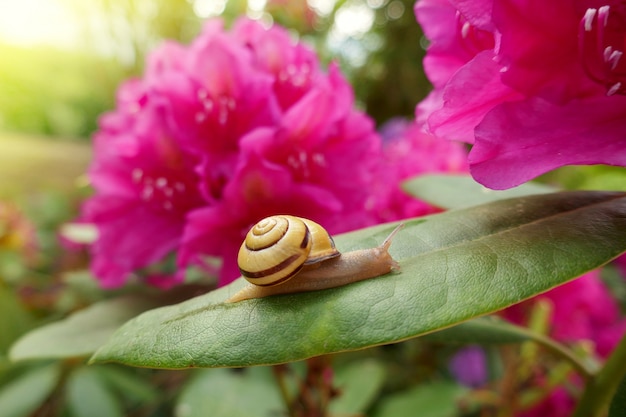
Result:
<point x="31" y="22"/>
<point x="209" y="8"/>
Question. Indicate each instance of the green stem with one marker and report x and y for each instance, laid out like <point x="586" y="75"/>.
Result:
<point x="599" y="390"/>
<point x="586" y="368"/>
<point x="279" y="374"/>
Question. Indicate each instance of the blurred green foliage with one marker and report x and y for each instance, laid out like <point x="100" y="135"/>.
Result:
<point x="60" y="93"/>
<point x="48" y="91"/>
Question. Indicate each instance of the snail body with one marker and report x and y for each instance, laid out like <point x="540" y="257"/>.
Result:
<point x="288" y="254"/>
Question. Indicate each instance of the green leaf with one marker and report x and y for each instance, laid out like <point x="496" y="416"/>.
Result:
<point x="81" y="333"/>
<point x="224" y="393"/>
<point x="459" y="191"/>
<point x="88" y="396"/>
<point x="433" y="400"/>
<point x="482" y="330"/>
<point x="454" y="266"/>
<point x="21" y="320"/>
<point x="618" y="403"/>
<point x="128" y="384"/>
<point x="359" y="383"/>
<point x="21" y="397"/>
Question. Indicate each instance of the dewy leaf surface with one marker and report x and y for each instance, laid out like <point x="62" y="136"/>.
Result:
<point x="455" y="266"/>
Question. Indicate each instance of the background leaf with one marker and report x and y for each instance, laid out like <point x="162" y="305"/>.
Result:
<point x="224" y="393"/>
<point x="459" y="191"/>
<point x="427" y="400"/>
<point x="359" y="383"/>
<point x="88" y="396"/>
<point x="21" y="320"/>
<point x="81" y="333"/>
<point x="483" y="330"/>
<point x="455" y="266"/>
<point x="618" y="403"/>
<point x="22" y="396"/>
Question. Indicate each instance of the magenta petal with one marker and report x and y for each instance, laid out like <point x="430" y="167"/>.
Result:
<point x="124" y="230"/>
<point x="477" y="12"/>
<point x="473" y="91"/>
<point x="539" y="48"/>
<point x="583" y="132"/>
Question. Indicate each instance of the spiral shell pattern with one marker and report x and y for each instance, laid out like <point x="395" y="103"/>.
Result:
<point x="278" y="247"/>
<point x="274" y="250"/>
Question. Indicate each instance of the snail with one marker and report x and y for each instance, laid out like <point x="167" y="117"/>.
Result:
<point x="287" y="254"/>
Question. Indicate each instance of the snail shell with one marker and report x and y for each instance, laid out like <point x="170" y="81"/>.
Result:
<point x="278" y="247"/>
<point x="287" y="254"/>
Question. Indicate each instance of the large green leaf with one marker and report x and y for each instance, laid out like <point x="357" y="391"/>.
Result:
<point x="455" y="266"/>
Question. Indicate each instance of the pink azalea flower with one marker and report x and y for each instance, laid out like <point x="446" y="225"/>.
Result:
<point x="409" y="152"/>
<point x="317" y="162"/>
<point x="559" y="403"/>
<point x="145" y="185"/>
<point x="533" y="85"/>
<point x="583" y="309"/>
<point x="217" y="135"/>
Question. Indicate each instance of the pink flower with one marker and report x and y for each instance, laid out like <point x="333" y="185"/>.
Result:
<point x="317" y="162"/>
<point x="215" y="136"/>
<point x="145" y="185"/>
<point x="409" y="152"/>
<point x="583" y="309"/>
<point x="533" y="85"/>
<point x="559" y="403"/>
<point x="469" y="366"/>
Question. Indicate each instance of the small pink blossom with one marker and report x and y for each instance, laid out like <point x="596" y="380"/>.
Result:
<point x="533" y="85"/>
<point x="583" y="309"/>
<point x="410" y="152"/>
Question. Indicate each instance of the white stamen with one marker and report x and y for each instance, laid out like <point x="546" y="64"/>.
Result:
<point x="134" y="108"/>
<point x="168" y="205"/>
<point x="319" y="159"/>
<point x="223" y="117"/>
<point x="179" y="186"/>
<point x="603" y="15"/>
<point x="614" y="89"/>
<point x="590" y="15"/>
<point x="137" y="174"/>
<point x="293" y="162"/>
<point x="147" y="192"/>
<point x="168" y="192"/>
<point x="465" y="29"/>
<point x="202" y="94"/>
<point x="200" y="117"/>
<point x="208" y="104"/>
<point x="614" y="59"/>
<point x="161" y="182"/>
